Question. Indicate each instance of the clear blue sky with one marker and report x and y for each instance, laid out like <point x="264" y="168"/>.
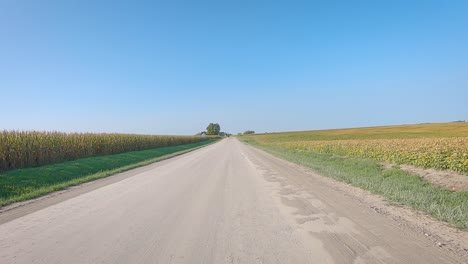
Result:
<point x="172" y="67"/>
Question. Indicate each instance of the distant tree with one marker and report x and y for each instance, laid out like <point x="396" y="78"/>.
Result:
<point x="249" y="132"/>
<point x="213" y="129"/>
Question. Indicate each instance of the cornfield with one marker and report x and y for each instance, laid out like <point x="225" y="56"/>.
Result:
<point x="440" y="146"/>
<point x="23" y="149"/>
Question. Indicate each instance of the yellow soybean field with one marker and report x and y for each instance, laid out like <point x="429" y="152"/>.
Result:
<point x="23" y="149"/>
<point x="440" y="146"/>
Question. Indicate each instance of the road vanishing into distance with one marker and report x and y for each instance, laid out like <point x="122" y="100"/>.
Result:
<point x="224" y="203"/>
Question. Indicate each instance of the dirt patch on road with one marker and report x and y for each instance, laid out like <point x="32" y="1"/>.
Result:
<point x="447" y="179"/>
<point x="442" y="235"/>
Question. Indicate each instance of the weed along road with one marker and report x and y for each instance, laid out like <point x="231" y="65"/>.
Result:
<point x="224" y="203"/>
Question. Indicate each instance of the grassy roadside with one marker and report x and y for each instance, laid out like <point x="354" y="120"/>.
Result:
<point x="24" y="184"/>
<point x="396" y="185"/>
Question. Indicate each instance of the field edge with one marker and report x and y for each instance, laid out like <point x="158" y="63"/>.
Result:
<point x="447" y="212"/>
<point x="95" y="176"/>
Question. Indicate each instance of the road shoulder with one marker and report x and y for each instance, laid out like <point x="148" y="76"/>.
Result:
<point x="16" y="210"/>
<point x="442" y="236"/>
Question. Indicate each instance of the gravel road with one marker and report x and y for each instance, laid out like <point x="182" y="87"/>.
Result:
<point x="225" y="203"/>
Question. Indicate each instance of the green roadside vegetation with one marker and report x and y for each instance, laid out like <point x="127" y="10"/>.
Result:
<point x="22" y="184"/>
<point x="394" y="184"/>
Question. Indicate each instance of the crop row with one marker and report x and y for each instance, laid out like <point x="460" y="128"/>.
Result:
<point x="22" y="149"/>
<point x="438" y="153"/>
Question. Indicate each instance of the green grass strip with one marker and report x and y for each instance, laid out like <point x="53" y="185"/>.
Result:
<point x="394" y="184"/>
<point x="23" y="184"/>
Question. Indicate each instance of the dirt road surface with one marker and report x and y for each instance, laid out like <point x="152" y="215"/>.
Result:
<point x="225" y="203"/>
